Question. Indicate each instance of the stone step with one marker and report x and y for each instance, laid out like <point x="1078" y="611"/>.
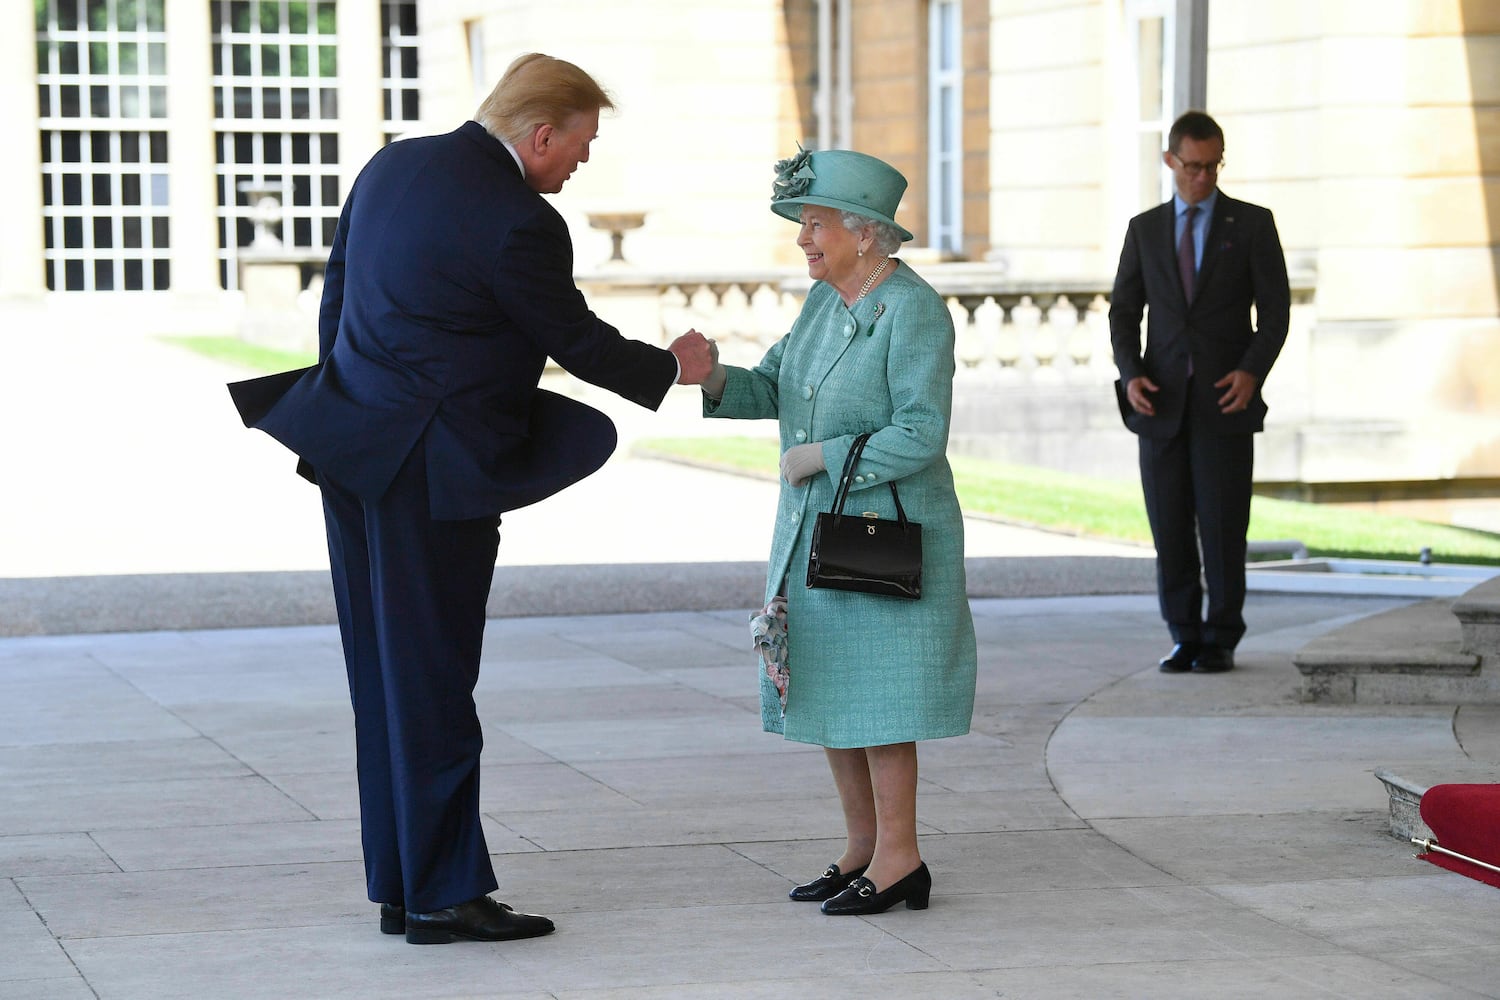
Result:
<point x="1406" y="805"/>
<point x="1411" y="655"/>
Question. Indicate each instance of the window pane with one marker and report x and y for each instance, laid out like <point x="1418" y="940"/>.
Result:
<point x="1149" y="55"/>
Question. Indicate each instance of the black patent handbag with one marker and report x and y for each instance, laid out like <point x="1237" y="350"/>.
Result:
<point x="863" y="552"/>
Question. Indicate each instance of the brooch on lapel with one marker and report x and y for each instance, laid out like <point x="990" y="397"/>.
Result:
<point x="879" y="312"/>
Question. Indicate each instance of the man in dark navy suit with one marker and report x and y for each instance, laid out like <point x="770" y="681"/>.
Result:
<point x="448" y="286"/>
<point x="1200" y="262"/>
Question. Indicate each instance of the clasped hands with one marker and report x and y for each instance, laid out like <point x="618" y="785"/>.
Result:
<point x="698" y="358"/>
<point x="1238" y="385"/>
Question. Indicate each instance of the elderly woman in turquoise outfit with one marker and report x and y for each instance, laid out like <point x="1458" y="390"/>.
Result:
<point x="866" y="677"/>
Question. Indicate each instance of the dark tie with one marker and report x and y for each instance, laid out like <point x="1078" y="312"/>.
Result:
<point x="1187" y="265"/>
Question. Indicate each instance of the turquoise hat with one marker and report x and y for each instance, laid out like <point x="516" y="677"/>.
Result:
<point x="841" y="179"/>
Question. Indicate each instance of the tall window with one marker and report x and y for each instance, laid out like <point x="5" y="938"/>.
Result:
<point x="1167" y="41"/>
<point x="1151" y="33"/>
<point x="275" y="65"/>
<point x="101" y="90"/>
<point x="945" y="148"/>
<point x="398" y="31"/>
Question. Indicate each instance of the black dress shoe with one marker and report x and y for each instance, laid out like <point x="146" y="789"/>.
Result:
<point x="1214" y="660"/>
<point x="480" y="919"/>
<point x="861" y="896"/>
<point x="825" y="886"/>
<point x="1180" y="659"/>
<point x="392" y="918"/>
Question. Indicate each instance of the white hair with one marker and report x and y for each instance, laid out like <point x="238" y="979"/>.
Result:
<point x="887" y="237"/>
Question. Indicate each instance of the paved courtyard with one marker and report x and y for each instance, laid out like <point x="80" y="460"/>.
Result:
<point x="178" y="814"/>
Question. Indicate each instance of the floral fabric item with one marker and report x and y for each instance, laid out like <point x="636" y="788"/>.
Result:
<point x="768" y="633"/>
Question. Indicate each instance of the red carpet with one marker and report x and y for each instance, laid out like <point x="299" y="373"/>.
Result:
<point x="1465" y="819"/>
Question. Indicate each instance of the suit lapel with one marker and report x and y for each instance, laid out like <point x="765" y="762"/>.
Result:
<point x="1220" y="234"/>
<point x="1166" y="237"/>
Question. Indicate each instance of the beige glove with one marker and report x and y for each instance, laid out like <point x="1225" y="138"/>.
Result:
<point x="801" y="462"/>
<point x="713" y="384"/>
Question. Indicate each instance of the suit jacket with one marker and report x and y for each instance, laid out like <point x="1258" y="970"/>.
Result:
<point x="1242" y="265"/>
<point x="449" y="284"/>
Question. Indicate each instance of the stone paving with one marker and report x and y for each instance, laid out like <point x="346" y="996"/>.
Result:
<point x="178" y="813"/>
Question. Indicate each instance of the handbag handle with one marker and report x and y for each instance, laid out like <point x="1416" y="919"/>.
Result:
<point x="841" y="495"/>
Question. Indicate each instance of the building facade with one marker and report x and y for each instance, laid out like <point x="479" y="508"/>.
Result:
<point x="164" y="146"/>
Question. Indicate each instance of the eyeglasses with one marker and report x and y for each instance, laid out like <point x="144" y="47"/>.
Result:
<point x="1193" y="169"/>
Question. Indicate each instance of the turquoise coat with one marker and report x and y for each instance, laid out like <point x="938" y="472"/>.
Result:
<point x="866" y="670"/>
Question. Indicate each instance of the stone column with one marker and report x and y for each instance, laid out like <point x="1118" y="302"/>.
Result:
<point x="190" y="139"/>
<point x="22" y="268"/>
<point x="361" y="110"/>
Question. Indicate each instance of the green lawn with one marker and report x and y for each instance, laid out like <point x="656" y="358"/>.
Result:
<point x="1111" y="509"/>
<point x="253" y="357"/>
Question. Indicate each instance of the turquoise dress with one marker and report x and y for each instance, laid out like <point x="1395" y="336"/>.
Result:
<point x="866" y="670"/>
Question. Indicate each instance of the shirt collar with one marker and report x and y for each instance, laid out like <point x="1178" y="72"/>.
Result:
<point x="517" y="157"/>
<point x="1207" y="204"/>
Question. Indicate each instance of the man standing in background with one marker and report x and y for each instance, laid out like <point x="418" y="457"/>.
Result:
<point x="1200" y="262"/>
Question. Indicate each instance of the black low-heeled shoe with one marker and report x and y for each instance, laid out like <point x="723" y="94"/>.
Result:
<point x="825" y="886"/>
<point x="861" y="896"/>
<point x="392" y="918"/>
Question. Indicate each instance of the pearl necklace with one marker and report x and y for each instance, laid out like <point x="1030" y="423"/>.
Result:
<point x="870" y="281"/>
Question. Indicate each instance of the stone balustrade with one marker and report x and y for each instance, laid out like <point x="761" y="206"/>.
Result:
<point x="1008" y="330"/>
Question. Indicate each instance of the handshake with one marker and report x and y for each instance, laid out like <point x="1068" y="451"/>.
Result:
<point x="698" y="358"/>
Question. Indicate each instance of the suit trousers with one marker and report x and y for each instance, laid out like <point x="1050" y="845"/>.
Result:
<point x="1197" y="488"/>
<point x="411" y="594"/>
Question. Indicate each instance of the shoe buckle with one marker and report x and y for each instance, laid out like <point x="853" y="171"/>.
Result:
<point x="831" y="871"/>
<point x="866" y="890"/>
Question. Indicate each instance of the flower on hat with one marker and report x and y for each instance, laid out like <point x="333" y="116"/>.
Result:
<point x="794" y="175"/>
